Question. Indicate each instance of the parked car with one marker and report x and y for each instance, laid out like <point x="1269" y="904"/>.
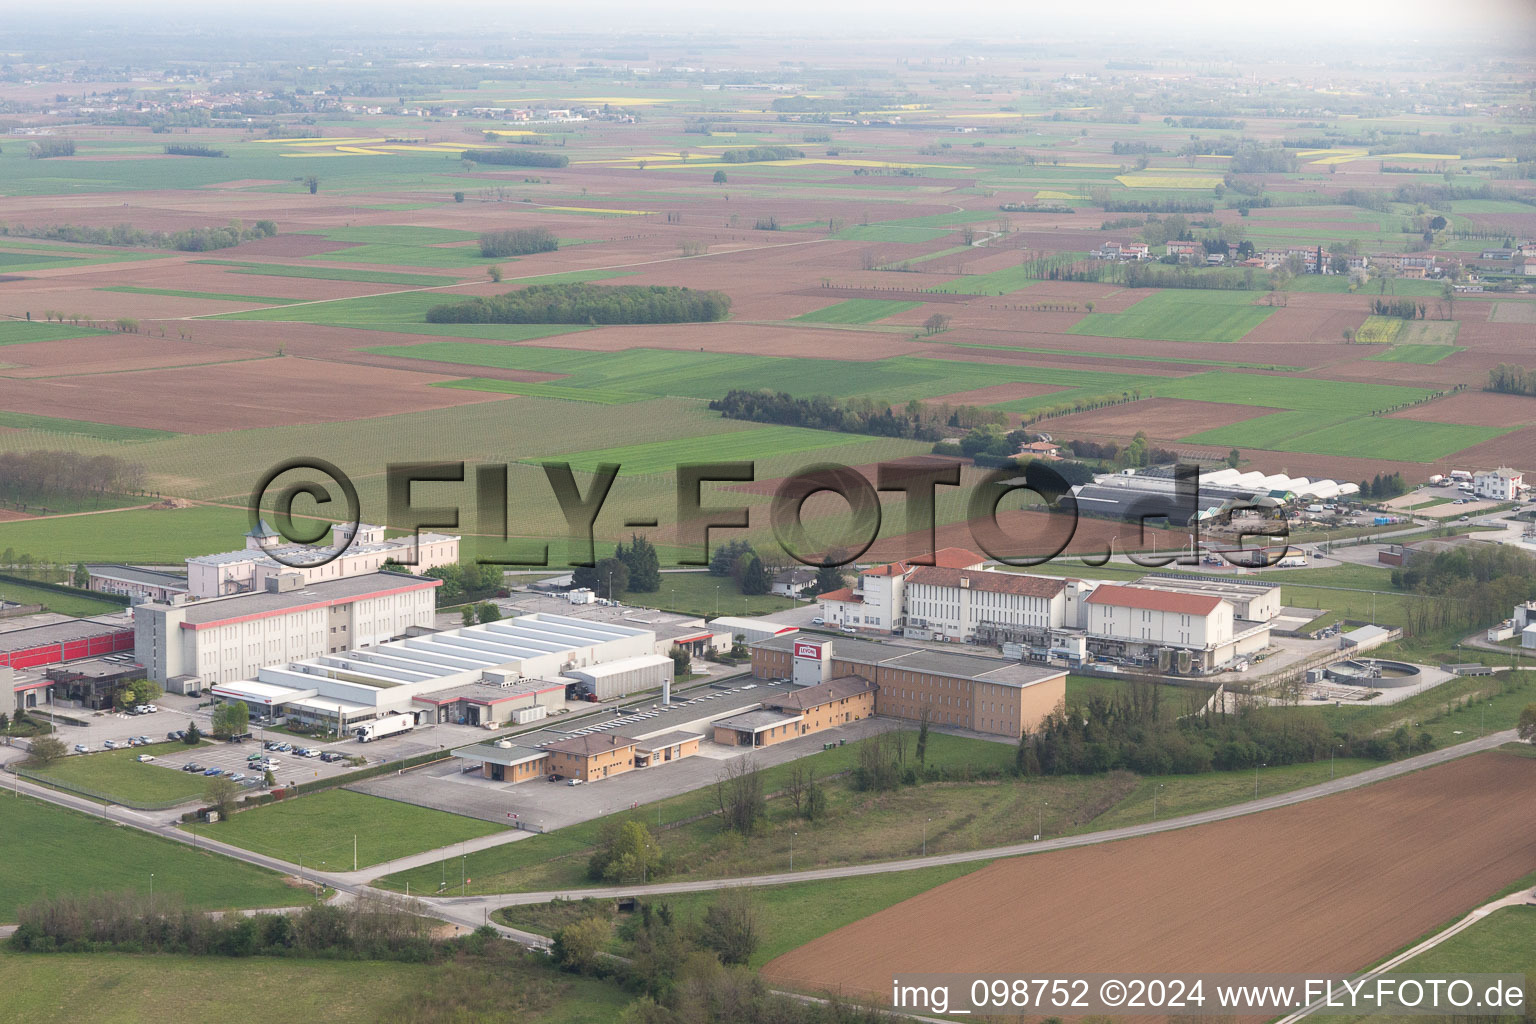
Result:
<point x="311" y="752"/>
<point x="250" y="783"/>
<point x="849" y="629"/>
<point x="81" y="748"/>
<point x="573" y="782"/>
<point x="144" y="740"/>
<point x="328" y="757"/>
<point x="818" y="621"/>
<point x="110" y="744"/>
<point x="175" y="734"/>
<point x="270" y="745"/>
<point x="213" y="771"/>
<point x="132" y="741"/>
<point x="238" y="776"/>
<point x="146" y="757"/>
<point x="284" y="747"/>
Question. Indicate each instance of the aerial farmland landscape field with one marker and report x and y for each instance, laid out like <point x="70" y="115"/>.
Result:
<point x="818" y="513"/>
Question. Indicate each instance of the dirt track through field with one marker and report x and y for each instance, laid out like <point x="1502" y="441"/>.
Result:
<point x="1330" y="885"/>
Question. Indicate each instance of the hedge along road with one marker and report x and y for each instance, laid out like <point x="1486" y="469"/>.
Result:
<point x="464" y="911"/>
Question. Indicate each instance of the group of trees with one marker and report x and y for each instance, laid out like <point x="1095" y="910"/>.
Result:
<point x="1466" y="588"/>
<point x="1138" y="452"/>
<point x="460" y="579"/>
<point x="39" y="475"/>
<point x="1507" y="378"/>
<point x="759" y="154"/>
<point x="187" y="149"/>
<point x="664" y="951"/>
<point x="42" y="149"/>
<point x="137" y="691"/>
<point x="632" y="569"/>
<point x="1404" y="309"/>
<point x="741" y="562"/>
<point x="521" y="156"/>
<point x="1132" y="731"/>
<point x="582" y="303"/>
<point x="371" y="927"/>
<point x="231" y="718"/>
<point x="626" y="852"/>
<point x="517" y="242"/>
<point x="917" y="420"/>
<point x="1388" y="485"/>
<point x="485" y="611"/>
<point x="190" y="240"/>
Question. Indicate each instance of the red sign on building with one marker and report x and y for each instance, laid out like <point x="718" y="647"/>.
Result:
<point x="808" y="650"/>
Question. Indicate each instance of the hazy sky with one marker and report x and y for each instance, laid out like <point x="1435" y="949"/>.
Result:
<point x="1509" y="20"/>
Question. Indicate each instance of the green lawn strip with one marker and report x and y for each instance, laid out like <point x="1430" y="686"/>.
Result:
<point x="1125" y="356"/>
<point x="666" y="456"/>
<point x="53" y="601"/>
<point x="890" y="233"/>
<point x="103" y="431"/>
<point x="117" y="775"/>
<point x="699" y="593"/>
<point x="544" y="389"/>
<point x="46" y="850"/>
<point x="998" y="282"/>
<point x="1422" y="354"/>
<point x="147" y="536"/>
<point x="24" y="332"/>
<point x="333" y="274"/>
<point x="395" y="234"/>
<point x="410" y="256"/>
<point x="1317" y="395"/>
<point x="788" y="916"/>
<point x="1363" y="436"/>
<point x="320" y="828"/>
<point x="65" y="988"/>
<point x="219" y="296"/>
<point x="1180" y="315"/>
<point x="857" y="311"/>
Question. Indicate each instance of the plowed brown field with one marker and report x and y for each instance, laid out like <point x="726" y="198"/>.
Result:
<point x="1329" y="885"/>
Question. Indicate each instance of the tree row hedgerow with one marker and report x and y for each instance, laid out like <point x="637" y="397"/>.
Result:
<point x="582" y="303"/>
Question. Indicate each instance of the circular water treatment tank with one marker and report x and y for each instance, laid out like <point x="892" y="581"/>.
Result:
<point x="1373" y="672"/>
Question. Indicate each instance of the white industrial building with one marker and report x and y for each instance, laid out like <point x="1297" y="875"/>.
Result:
<point x="265" y="556"/>
<point x="224" y="639"/>
<point x="956" y="604"/>
<point x="1179" y="631"/>
<point x="625" y="676"/>
<point x="1251" y="601"/>
<point x="750" y="628"/>
<point x="477" y="675"/>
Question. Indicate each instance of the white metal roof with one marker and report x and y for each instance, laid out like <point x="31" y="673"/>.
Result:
<point x="623" y="665"/>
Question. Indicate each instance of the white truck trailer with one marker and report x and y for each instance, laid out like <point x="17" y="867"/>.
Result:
<point x="389" y="725"/>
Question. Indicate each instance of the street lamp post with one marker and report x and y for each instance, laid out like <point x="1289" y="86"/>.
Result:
<point x="792" y="850"/>
<point x="1154" y="800"/>
<point x="1040" y="818"/>
<point x="925" y="835"/>
<point x="151" y="892"/>
<point x="1256" y="778"/>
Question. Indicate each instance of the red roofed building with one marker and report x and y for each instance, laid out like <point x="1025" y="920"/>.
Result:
<point x="1196" y="631"/>
<point x="877" y="603"/>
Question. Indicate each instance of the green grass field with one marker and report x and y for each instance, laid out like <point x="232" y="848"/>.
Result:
<point x="332" y="274"/>
<point x="695" y="593"/>
<point x="85" y="428"/>
<point x="1422" y="354"/>
<point x="666" y="456"/>
<point x="22" y="332"/>
<point x="153" y="536"/>
<point x="48" y="851"/>
<point x="118" y="776"/>
<point x="857" y="311"/>
<point x="1311" y="394"/>
<point x="1180" y="315"/>
<point x="998" y="282"/>
<point x="219" y="296"/>
<point x="320" y="827"/>
<point x="122" y="988"/>
<point x="53" y="601"/>
<point x="1363" y="436"/>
